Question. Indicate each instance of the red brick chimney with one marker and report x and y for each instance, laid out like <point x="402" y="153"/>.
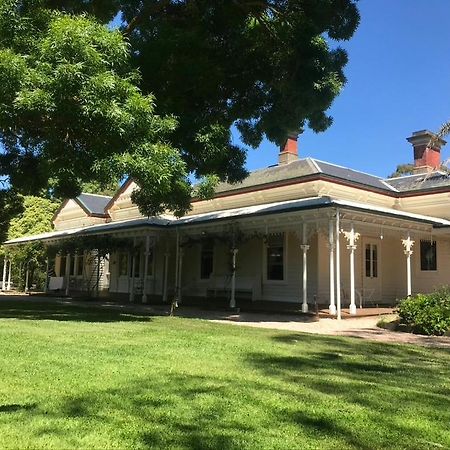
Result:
<point x="427" y="150"/>
<point x="289" y="151"/>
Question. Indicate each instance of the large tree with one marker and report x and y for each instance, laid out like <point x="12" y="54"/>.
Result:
<point x="77" y="100"/>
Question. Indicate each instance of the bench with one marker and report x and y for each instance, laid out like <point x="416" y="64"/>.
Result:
<point x="219" y="286"/>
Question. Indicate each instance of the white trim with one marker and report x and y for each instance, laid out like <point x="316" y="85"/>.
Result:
<point x="285" y="260"/>
<point x="262" y="209"/>
<point x="314" y="163"/>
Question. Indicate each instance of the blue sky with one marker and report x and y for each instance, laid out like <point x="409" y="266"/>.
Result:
<point x="398" y="82"/>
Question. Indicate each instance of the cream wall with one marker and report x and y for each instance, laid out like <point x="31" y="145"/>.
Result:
<point x="73" y="216"/>
<point x="154" y="284"/>
<point x="251" y="266"/>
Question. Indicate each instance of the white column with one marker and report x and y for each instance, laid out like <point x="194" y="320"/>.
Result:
<point x="352" y="237"/>
<point x="147" y="251"/>
<point x="177" y="266"/>
<point x="305" y="248"/>
<point x="180" y="273"/>
<point x="332" y="307"/>
<point x="46" y="275"/>
<point x="338" y="267"/>
<point x="67" y="273"/>
<point x="8" y="286"/>
<point x="133" y="271"/>
<point x="408" y="244"/>
<point x="234" y="252"/>
<point x="4" y="275"/>
<point x="98" y="274"/>
<point x="26" y="277"/>
<point x="166" y="275"/>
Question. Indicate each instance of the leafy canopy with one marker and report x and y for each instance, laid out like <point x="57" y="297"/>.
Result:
<point x="77" y="100"/>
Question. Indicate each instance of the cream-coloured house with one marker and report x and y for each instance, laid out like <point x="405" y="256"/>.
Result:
<point x="302" y="231"/>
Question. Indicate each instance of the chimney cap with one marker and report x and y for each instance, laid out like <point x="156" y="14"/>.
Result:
<point x="425" y="137"/>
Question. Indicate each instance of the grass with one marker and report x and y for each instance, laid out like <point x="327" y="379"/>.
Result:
<point x="73" y="378"/>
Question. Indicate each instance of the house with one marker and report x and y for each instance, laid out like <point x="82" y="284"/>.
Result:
<point x="301" y="231"/>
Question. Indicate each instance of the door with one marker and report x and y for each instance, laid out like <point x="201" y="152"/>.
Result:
<point x="371" y="292"/>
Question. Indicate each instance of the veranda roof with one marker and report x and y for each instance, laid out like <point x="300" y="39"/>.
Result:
<point x="228" y="214"/>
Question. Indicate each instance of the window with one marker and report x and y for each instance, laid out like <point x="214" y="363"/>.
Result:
<point x="80" y="264"/>
<point x="72" y="265"/>
<point x="275" y="257"/>
<point x="371" y="260"/>
<point x="123" y="264"/>
<point x="428" y="255"/>
<point x="206" y="260"/>
<point x="62" y="266"/>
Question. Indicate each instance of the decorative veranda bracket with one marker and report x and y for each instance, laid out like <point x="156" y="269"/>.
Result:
<point x="408" y="244"/>
<point x="352" y="237"/>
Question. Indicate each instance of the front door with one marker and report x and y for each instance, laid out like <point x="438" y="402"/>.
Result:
<point x="371" y="292"/>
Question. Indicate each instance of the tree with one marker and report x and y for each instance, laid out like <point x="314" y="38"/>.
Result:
<point x="402" y="169"/>
<point x="94" y="187"/>
<point x="70" y="111"/>
<point x="35" y="218"/>
<point x="77" y="100"/>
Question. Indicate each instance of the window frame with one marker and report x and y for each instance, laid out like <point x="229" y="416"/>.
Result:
<point x="211" y="250"/>
<point x="265" y="267"/>
<point x="374" y="274"/>
<point x="431" y="243"/>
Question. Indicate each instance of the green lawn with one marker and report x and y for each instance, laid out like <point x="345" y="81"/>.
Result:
<point x="73" y="378"/>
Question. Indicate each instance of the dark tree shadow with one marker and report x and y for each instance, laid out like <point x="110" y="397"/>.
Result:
<point x="12" y="408"/>
<point x="35" y="310"/>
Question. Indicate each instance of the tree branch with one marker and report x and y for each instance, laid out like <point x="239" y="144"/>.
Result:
<point x="146" y="11"/>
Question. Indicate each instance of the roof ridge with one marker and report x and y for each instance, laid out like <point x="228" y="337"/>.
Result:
<point x="314" y="164"/>
<point x="349" y="168"/>
<point x="96" y="195"/>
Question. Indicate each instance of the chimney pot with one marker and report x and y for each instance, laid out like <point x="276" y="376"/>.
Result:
<point x="427" y="150"/>
<point x="289" y="151"/>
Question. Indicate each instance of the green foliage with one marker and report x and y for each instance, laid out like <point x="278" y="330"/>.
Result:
<point x="70" y="108"/>
<point x="11" y="204"/>
<point x="35" y="218"/>
<point x="77" y="99"/>
<point x="95" y="187"/>
<point x="427" y="313"/>
<point x="402" y="169"/>
<point x="103" y="245"/>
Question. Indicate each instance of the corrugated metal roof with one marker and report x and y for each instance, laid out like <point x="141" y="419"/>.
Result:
<point x="248" y="211"/>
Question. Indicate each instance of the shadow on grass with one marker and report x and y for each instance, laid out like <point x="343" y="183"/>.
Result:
<point x="31" y="310"/>
<point x="204" y="412"/>
<point x="12" y="408"/>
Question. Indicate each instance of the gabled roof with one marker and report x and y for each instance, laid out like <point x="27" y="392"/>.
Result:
<point x="91" y="204"/>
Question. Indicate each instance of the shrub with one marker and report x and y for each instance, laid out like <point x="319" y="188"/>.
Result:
<point x="427" y="313"/>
